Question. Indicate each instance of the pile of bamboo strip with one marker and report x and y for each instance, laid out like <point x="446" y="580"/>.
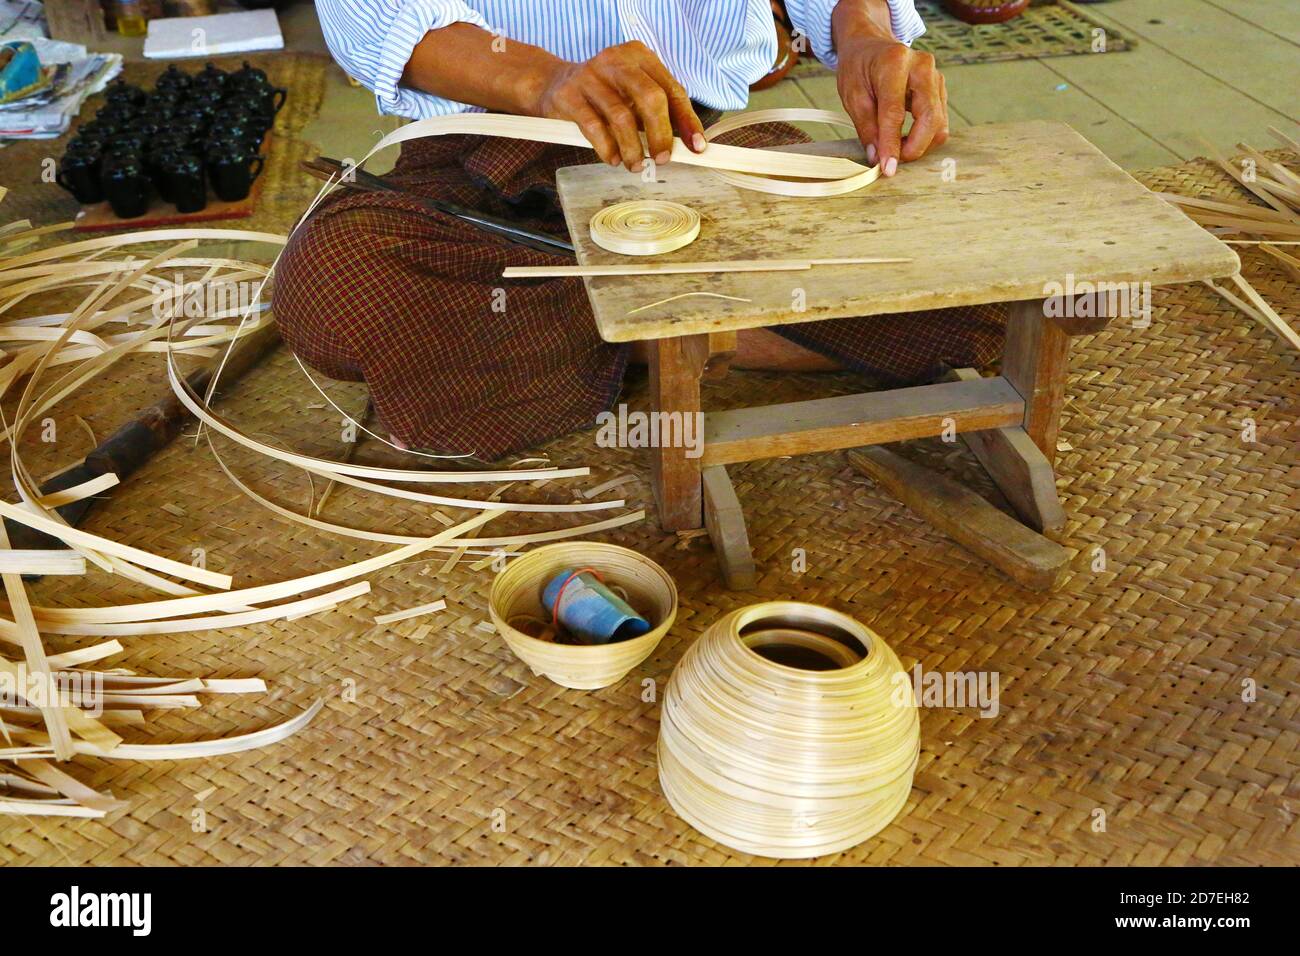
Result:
<point x="1274" y="224"/>
<point x="55" y="706"/>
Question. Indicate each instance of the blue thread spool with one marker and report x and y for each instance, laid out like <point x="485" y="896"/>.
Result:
<point x="589" y="610"/>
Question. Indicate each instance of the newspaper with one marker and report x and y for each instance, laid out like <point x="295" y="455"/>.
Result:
<point x="76" y="74"/>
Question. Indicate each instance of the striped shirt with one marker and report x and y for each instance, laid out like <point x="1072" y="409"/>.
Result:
<point x="715" y="48"/>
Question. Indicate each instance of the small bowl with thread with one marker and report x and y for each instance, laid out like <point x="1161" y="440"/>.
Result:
<point x="515" y="605"/>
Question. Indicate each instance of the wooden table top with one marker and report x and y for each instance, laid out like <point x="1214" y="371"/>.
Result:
<point x="1030" y="204"/>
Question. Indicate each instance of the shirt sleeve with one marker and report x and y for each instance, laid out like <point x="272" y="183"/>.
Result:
<point x="373" y="42"/>
<point x="812" y="18"/>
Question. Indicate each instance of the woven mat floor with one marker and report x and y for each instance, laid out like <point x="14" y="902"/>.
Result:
<point x="1121" y="693"/>
<point x="1048" y="28"/>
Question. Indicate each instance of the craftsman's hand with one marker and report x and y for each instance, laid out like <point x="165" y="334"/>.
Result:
<point x="881" y="80"/>
<point x="619" y="91"/>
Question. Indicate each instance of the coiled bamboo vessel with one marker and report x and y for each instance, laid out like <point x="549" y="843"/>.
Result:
<point x="781" y="760"/>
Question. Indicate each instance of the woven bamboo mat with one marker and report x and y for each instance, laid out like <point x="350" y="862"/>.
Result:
<point x="1045" y="29"/>
<point x="1121" y="693"/>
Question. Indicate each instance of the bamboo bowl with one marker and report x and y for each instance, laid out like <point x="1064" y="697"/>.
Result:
<point x="788" y="730"/>
<point x="517" y="591"/>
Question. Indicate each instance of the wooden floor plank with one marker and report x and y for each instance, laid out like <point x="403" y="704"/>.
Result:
<point x="1026" y="89"/>
<point x="788" y="94"/>
<point x="1260" y="64"/>
<point x="1171" y="101"/>
<point x="822" y="92"/>
<point x="1276" y="16"/>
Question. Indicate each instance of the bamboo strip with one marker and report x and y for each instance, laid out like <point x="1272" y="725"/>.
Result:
<point x="41" y="562"/>
<point x="783" y="187"/>
<point x="677" y="268"/>
<point x="686" y="295"/>
<point x="715" y="156"/>
<point x="411" y="612"/>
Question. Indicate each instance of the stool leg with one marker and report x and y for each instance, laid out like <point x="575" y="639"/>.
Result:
<point x="675" y="369"/>
<point x="1019" y="469"/>
<point x="722" y="349"/>
<point x="1035" y="360"/>
<point x="726" y="524"/>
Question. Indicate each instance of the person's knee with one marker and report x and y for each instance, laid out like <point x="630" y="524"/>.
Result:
<point x="317" y="288"/>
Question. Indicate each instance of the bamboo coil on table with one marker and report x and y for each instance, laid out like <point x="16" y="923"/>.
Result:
<point x="516" y="597"/>
<point x="786" y="761"/>
<point x="644" y="227"/>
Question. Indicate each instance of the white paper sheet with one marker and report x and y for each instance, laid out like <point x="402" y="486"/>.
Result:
<point x="222" y="33"/>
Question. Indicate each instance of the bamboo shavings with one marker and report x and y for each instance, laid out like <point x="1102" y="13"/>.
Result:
<point x="610" y="485"/>
<point x="644" y="227"/>
<point x="1259" y="310"/>
<point x="780" y="761"/>
<point x="686" y="295"/>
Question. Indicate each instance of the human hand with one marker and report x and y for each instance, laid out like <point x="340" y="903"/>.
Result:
<point x="617" y="93"/>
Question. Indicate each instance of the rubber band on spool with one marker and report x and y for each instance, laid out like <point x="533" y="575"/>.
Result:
<point x="555" y="610"/>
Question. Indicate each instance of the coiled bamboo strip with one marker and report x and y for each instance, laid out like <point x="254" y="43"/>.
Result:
<point x="781" y="761"/>
<point x="644" y="227"/>
<point x="516" y="592"/>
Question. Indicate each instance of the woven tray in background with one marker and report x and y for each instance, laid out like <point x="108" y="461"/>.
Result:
<point x="1122" y="692"/>
<point x="284" y="195"/>
<point x="1045" y="29"/>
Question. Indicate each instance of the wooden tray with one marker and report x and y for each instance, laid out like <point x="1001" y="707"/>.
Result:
<point x="100" y="215"/>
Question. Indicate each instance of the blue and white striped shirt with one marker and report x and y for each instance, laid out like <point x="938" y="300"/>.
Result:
<point x="715" y="48"/>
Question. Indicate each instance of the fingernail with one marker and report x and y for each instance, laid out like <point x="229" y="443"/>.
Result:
<point x="699" y="142"/>
<point x="891" y="166"/>
<point x="871" y="153"/>
<point x="638" y="166"/>
<point x="663" y="157"/>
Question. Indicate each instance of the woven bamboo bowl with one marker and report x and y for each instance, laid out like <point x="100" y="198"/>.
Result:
<point x="764" y="754"/>
<point x="517" y="592"/>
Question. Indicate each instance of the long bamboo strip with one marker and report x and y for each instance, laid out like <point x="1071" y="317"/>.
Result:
<point x="680" y="268"/>
<point x="716" y="156"/>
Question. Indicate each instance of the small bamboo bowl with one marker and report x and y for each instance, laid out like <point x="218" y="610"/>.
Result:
<point x="517" y="591"/>
<point x="783" y="760"/>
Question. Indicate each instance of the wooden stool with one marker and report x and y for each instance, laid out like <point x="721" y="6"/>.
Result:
<point x="1023" y="213"/>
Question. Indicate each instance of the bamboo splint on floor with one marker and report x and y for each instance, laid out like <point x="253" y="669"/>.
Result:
<point x="1273" y="217"/>
<point x="48" y="358"/>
